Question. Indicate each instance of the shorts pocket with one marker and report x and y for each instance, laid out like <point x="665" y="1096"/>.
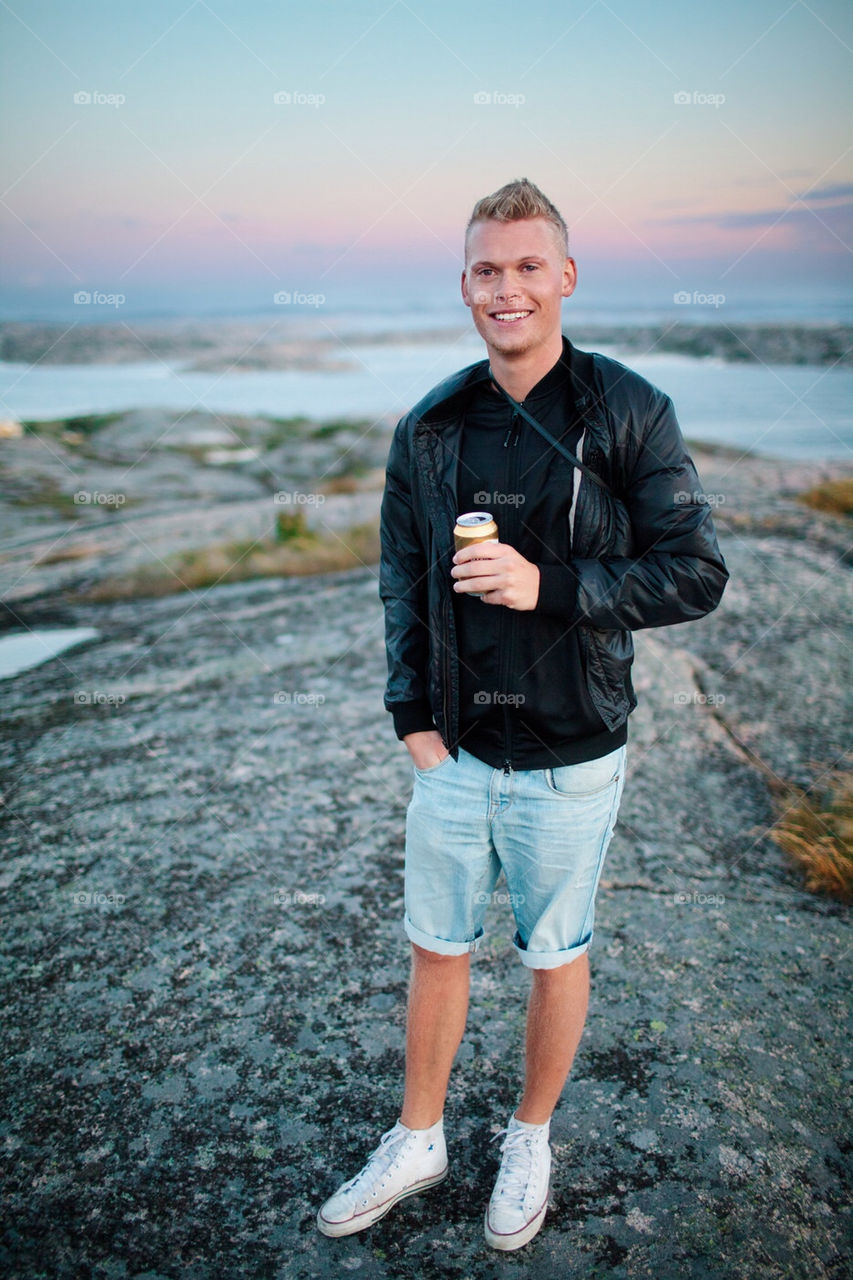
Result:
<point x="434" y="768"/>
<point x="587" y="778"/>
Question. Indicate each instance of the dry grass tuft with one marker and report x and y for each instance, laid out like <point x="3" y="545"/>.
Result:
<point x="833" y="496"/>
<point x="817" y="833"/>
<point x="293" y="551"/>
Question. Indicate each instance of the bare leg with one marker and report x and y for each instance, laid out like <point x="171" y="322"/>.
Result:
<point x="438" y="1008"/>
<point x="555" y="1020"/>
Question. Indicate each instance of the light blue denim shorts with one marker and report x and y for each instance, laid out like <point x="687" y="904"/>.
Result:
<point x="548" y="829"/>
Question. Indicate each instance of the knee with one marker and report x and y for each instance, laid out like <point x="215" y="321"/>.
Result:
<point x="572" y="971"/>
<point x="422" y="956"/>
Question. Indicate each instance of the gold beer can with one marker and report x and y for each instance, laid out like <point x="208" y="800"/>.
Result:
<point x="471" y="528"/>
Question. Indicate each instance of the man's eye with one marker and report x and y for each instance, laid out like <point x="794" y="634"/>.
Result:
<point x="484" y="271"/>
<point x="531" y="266"/>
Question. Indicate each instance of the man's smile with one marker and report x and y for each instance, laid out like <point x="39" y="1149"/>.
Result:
<point x="509" y="317"/>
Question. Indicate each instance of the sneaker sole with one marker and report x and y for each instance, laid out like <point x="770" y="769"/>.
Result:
<point x="364" y="1220"/>
<point x="518" y="1238"/>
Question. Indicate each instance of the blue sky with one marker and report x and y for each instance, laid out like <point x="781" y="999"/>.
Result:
<point x="689" y="147"/>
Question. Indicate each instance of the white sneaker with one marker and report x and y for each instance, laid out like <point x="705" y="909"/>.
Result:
<point x="405" y="1162"/>
<point x="517" y="1208"/>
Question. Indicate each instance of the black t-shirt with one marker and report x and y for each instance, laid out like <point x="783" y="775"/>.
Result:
<point x="509" y="470"/>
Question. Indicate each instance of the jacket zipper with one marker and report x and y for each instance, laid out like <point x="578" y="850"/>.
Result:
<point x="510" y="440"/>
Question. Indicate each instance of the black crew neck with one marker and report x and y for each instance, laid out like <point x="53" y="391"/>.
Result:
<point x="559" y="373"/>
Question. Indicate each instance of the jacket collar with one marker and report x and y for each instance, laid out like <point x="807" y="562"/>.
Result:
<point x="442" y="403"/>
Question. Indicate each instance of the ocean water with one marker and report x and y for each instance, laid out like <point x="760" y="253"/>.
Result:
<point x="23" y="650"/>
<point x="794" y="411"/>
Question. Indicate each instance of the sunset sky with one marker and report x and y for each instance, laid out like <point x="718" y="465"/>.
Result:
<point x="689" y="146"/>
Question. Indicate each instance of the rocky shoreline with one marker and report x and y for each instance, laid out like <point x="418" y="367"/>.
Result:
<point x="214" y="345"/>
<point x="86" y="501"/>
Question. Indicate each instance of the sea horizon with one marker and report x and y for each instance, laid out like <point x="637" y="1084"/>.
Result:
<point x="690" y="299"/>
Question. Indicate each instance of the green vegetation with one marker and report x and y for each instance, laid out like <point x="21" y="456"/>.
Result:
<point x="85" y="426"/>
<point x="45" y="493"/>
<point x="335" y="425"/>
<point x="290" y="526"/>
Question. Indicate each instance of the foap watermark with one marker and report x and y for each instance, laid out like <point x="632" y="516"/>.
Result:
<point x="697" y="899"/>
<point x="97" y="898"/>
<point x="298" y="898"/>
<point x="695" y="98"/>
<point x="496" y="98"/>
<point x="494" y="498"/>
<point x="293" y="298"/>
<point x="695" y="298"/>
<point x="99" y="698"/>
<point x="298" y="98"/>
<point x="293" y="498"/>
<point x="95" y="98"/>
<point x="95" y="498"/>
<point x="495" y="698"/>
<point x="96" y="298"/>
<point x="501" y="896"/>
<point x="696" y="699"/>
<point x="298" y="698"/>
<point x="697" y="498"/>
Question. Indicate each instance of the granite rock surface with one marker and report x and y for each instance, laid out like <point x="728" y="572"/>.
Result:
<point x="204" y="970"/>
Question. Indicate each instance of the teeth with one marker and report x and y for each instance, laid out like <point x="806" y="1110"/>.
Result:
<point x="510" y="315"/>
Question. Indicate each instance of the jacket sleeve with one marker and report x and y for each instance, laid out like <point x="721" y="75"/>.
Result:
<point x="403" y="573"/>
<point x="675" y="572"/>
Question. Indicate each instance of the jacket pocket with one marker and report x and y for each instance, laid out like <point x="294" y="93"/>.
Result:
<point x="609" y="655"/>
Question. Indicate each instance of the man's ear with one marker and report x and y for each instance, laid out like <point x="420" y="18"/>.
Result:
<point x="464" y="287"/>
<point x="570" y="277"/>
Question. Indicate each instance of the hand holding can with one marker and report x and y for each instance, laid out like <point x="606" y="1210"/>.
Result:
<point x="473" y="527"/>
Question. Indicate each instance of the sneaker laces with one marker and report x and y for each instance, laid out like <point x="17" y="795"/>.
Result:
<point x="516" y="1163"/>
<point x="381" y="1161"/>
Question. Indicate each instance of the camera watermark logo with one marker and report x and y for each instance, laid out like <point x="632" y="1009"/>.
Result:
<point x="298" y="898"/>
<point x="686" y="298"/>
<point x="293" y="498"/>
<point x="94" y="98"/>
<point x="696" y="699"/>
<point x="698" y="99"/>
<point x="495" y="98"/>
<point x="493" y="497"/>
<point x="288" y="298"/>
<point x="697" y="899"/>
<point x="296" y="98"/>
<point x="495" y="698"/>
<point x="84" y="898"/>
<point x="98" y="698"/>
<point x="697" y="498"/>
<point x="94" y="498"/>
<point x="500" y="896"/>
<point x="298" y="698"/>
<point x="95" y="298"/>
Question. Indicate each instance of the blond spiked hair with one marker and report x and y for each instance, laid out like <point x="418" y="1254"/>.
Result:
<point x="516" y="200"/>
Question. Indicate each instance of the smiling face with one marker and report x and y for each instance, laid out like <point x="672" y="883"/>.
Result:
<point x="515" y="277"/>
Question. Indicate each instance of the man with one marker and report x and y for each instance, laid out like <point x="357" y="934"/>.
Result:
<point x="509" y="677"/>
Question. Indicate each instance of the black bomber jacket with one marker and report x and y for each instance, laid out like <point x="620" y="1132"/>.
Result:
<point x="643" y="551"/>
